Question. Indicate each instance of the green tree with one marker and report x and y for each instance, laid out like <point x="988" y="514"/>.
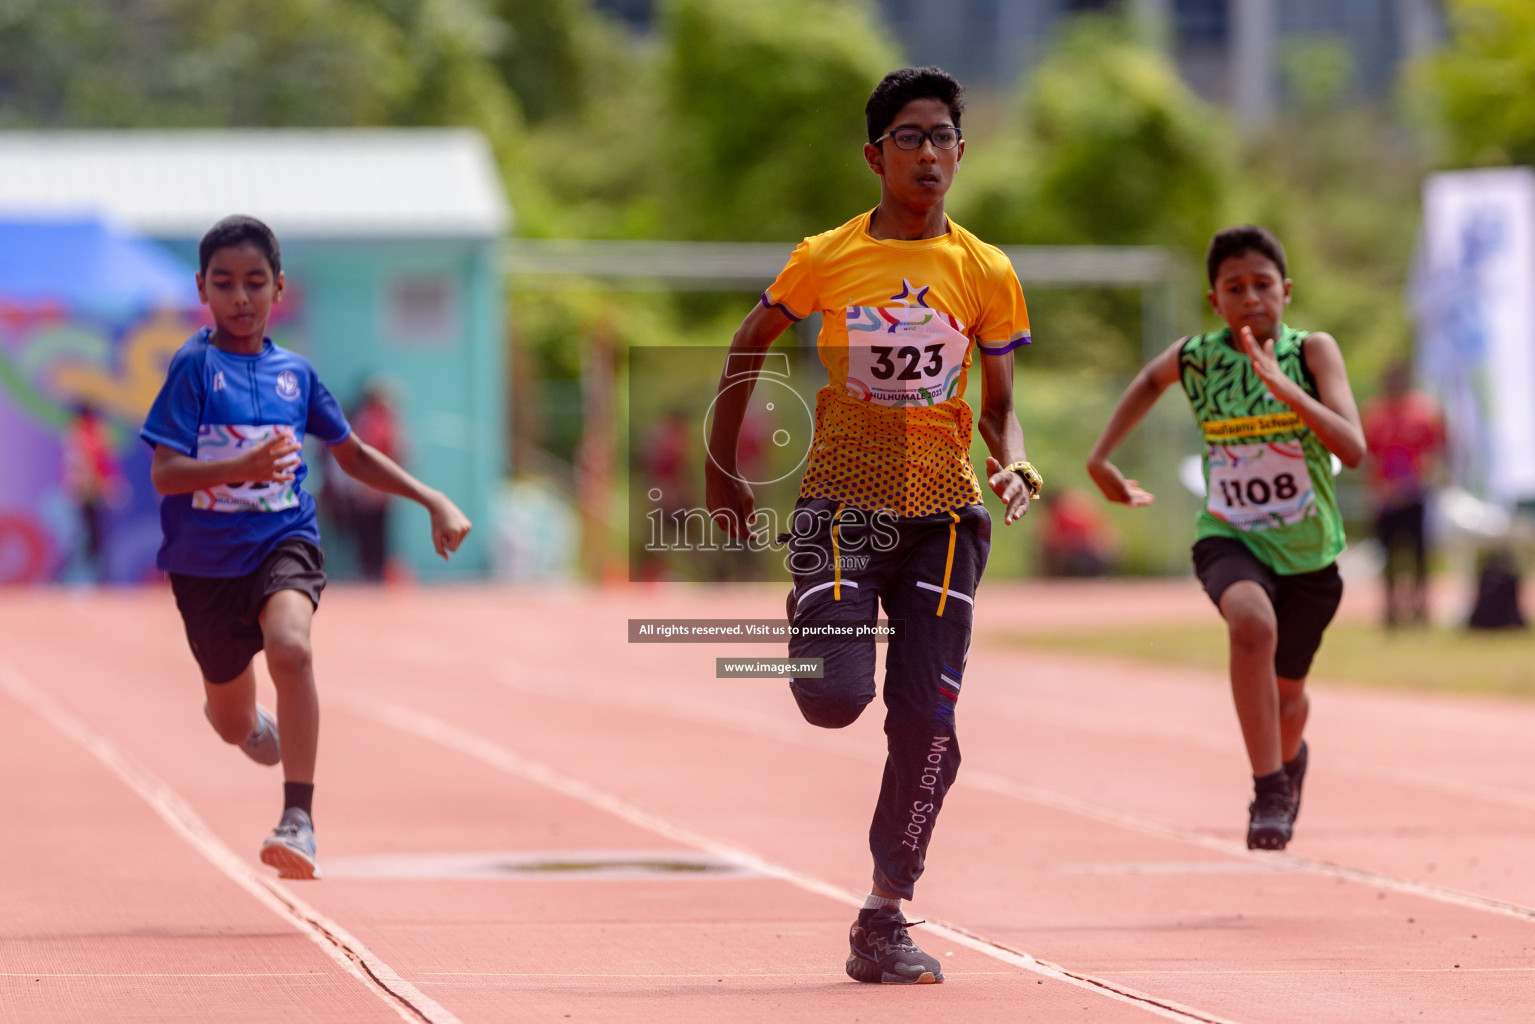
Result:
<point x="175" y="63"/>
<point x="1339" y="183"/>
<point x="449" y="49"/>
<point x="593" y="170"/>
<point x="1105" y="145"/>
<point x="1109" y="148"/>
<point x="217" y="63"/>
<point x="544" y="58"/>
<point x="764" y="103"/>
<point x="1483" y="83"/>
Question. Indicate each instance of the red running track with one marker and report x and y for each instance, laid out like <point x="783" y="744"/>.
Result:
<point x="1088" y="866"/>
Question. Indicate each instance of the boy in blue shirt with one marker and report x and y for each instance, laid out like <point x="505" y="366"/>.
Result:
<point x="241" y="543"/>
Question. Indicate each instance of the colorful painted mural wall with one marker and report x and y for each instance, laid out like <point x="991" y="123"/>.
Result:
<point x="54" y="361"/>
<point x="90" y="315"/>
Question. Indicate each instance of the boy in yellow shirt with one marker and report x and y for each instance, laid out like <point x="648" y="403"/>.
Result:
<point x="907" y="297"/>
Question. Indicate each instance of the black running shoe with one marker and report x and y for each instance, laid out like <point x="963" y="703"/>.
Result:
<point x="882" y="952"/>
<point x="1272" y="822"/>
<point x="1296" y="770"/>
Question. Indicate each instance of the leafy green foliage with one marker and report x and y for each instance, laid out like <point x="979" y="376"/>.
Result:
<point x="1483" y="83"/>
<point x="765" y="134"/>
<point x="1339" y="185"/>
<point x="168" y="63"/>
<point x="1105" y="146"/>
<point x="596" y="171"/>
<point x="1109" y="148"/>
<point x="192" y="63"/>
<point x="543" y="59"/>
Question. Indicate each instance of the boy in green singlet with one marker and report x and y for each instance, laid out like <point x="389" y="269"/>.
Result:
<point x="1274" y="404"/>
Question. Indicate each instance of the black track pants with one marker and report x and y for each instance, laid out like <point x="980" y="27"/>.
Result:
<point x="900" y="563"/>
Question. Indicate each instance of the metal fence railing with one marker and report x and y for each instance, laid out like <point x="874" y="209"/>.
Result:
<point x="546" y="264"/>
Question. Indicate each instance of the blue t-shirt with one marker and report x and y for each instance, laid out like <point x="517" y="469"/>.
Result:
<point x="216" y="405"/>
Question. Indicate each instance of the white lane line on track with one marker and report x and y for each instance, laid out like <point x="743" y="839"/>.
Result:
<point x="1347" y="970"/>
<point x="1209" y="743"/>
<point x="1041" y="796"/>
<point x="416" y="723"/>
<point x="1443" y="785"/>
<point x="588" y="975"/>
<point x="1224" y="744"/>
<point x="162" y="974"/>
<point x="340" y="945"/>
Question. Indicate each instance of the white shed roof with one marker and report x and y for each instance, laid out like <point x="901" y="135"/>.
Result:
<point x="338" y="183"/>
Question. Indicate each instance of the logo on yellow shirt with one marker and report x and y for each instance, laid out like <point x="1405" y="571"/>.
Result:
<point x="910" y="294"/>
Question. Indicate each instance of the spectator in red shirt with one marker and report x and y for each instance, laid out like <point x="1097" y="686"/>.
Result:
<point x="374" y="419"/>
<point x="92" y="479"/>
<point x="1404" y="431"/>
<point x="1076" y="539"/>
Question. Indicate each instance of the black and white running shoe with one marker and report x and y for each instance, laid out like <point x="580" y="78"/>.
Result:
<point x="882" y="952"/>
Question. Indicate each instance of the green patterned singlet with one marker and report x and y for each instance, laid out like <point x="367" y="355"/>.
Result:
<point x="1268" y="478"/>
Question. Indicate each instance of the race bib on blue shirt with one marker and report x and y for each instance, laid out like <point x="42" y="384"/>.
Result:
<point x="216" y="442"/>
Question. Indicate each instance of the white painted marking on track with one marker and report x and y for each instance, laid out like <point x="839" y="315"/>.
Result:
<point x="1225" y="744"/>
<point x="416" y="723"/>
<point x="665" y="974"/>
<point x="410" y="1003"/>
<point x="163" y="974"/>
<point x="758" y="725"/>
<point x="1343" y="970"/>
<point x="1165" y="830"/>
<point x="1444" y="785"/>
<point x="1178" y="867"/>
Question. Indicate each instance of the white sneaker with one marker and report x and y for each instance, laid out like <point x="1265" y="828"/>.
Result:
<point x="291" y="847"/>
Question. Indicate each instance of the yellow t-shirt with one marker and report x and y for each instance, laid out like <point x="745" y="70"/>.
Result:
<point x="900" y="320"/>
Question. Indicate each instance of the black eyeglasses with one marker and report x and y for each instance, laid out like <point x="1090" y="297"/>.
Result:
<point x="911" y="138"/>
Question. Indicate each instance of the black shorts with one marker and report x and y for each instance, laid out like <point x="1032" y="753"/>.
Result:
<point x="1303" y="603"/>
<point x="222" y="615"/>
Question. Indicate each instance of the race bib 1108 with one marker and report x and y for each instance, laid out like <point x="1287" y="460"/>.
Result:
<point x="1259" y="486"/>
<point x="225" y="441"/>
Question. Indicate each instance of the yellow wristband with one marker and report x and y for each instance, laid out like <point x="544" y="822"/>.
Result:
<point x="1031" y="478"/>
